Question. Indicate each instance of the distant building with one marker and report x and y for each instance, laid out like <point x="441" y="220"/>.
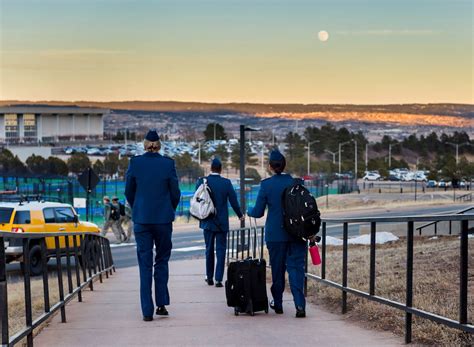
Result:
<point x="45" y="124"/>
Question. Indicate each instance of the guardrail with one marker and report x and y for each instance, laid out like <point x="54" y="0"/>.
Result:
<point x="465" y="197"/>
<point x="92" y="249"/>
<point x="461" y="324"/>
<point x="435" y="223"/>
<point x="239" y="237"/>
<point x="242" y="243"/>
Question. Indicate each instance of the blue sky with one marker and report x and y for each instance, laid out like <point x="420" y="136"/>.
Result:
<point x="379" y="51"/>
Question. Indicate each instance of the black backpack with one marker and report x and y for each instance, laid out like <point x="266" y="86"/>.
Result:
<point x="122" y="209"/>
<point x="114" y="213"/>
<point x="301" y="216"/>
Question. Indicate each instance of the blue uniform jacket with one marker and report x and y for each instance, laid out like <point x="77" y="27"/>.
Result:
<point x="270" y="194"/>
<point x="223" y="191"/>
<point x="152" y="189"/>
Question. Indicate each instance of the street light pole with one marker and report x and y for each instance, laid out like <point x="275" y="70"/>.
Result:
<point x="389" y="156"/>
<point x="333" y="155"/>
<point x="215" y="133"/>
<point x="366" y="157"/>
<point x="309" y="155"/>
<point x="457" y="145"/>
<point x="199" y="153"/>
<point x="340" y="150"/>
<point x="242" y="172"/>
<point x="355" y="159"/>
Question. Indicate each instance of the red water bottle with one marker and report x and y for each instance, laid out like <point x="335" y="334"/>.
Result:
<point x="314" y="252"/>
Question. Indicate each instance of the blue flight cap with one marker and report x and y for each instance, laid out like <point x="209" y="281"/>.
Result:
<point x="152" y="136"/>
<point x="216" y="164"/>
<point x="275" y="155"/>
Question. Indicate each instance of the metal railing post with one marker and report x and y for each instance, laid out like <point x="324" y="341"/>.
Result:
<point x="44" y="264"/>
<point x="409" y="282"/>
<point x="76" y="265"/>
<point x="344" y="266"/>
<point x="60" y="280"/>
<point x="463" y="273"/>
<point x="68" y="265"/>
<point x="3" y="294"/>
<point x="323" y="252"/>
<point x="373" y="231"/>
<point x="27" y="284"/>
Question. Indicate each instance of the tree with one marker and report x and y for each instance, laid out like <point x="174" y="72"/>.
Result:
<point x="235" y="156"/>
<point x="252" y="173"/>
<point x="123" y="166"/>
<point x="186" y="167"/>
<point x="219" y="130"/>
<point x="37" y="164"/>
<point x="111" y="163"/>
<point x="222" y="154"/>
<point x="98" y="167"/>
<point x="78" y="162"/>
<point x="57" y="166"/>
<point x="11" y="164"/>
<point x="295" y="146"/>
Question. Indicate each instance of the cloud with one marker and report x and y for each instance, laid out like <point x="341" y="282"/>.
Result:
<point x="388" y="32"/>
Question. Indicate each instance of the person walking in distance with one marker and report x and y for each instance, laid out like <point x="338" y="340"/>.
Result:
<point x="287" y="253"/>
<point x="117" y="214"/>
<point x="152" y="191"/>
<point x="127" y="219"/>
<point x="112" y="220"/>
<point x="107" y="221"/>
<point x="217" y="227"/>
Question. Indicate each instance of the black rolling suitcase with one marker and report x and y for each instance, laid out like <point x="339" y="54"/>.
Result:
<point x="246" y="286"/>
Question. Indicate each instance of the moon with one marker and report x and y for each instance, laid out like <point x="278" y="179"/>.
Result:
<point x="323" y="36"/>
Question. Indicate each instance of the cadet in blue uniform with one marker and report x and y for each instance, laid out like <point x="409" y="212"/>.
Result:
<point x="153" y="194"/>
<point x="216" y="229"/>
<point x="286" y="252"/>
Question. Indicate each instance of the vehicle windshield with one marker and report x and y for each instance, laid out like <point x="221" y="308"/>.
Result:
<point x="5" y="215"/>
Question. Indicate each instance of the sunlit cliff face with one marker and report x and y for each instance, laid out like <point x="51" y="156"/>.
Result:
<point x="394" y="118"/>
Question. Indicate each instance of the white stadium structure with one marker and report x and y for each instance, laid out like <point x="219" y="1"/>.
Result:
<point x="45" y="124"/>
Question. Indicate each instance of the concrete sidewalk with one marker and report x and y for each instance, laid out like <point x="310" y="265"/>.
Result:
<point x="110" y="316"/>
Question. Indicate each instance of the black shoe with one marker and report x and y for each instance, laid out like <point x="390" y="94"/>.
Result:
<point x="219" y="285"/>
<point x="278" y="310"/>
<point x="162" y="311"/>
<point x="147" y="318"/>
<point x="209" y="282"/>
<point x="300" y="312"/>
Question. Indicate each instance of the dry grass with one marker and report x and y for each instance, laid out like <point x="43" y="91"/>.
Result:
<point x="16" y="300"/>
<point x="436" y="287"/>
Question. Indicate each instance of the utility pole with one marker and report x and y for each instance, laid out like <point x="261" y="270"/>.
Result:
<point x="389" y="156"/>
<point x="199" y="153"/>
<point x="215" y="133"/>
<point x="355" y="159"/>
<point x="457" y="145"/>
<point x="309" y="155"/>
<point x="366" y="157"/>
<point x="340" y="150"/>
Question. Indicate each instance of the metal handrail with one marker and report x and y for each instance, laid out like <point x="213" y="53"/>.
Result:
<point x="420" y="228"/>
<point x="235" y="237"/>
<point x="97" y="260"/>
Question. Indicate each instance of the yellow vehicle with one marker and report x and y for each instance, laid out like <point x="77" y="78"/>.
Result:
<point x="40" y="217"/>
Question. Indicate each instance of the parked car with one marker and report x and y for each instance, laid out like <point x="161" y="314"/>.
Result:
<point x="431" y="184"/>
<point x="371" y="176"/>
<point x="394" y="178"/>
<point x="39" y="217"/>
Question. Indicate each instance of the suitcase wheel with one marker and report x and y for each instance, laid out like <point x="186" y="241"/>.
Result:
<point x="236" y="311"/>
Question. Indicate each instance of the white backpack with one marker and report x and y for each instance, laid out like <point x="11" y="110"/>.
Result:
<point x="202" y="206"/>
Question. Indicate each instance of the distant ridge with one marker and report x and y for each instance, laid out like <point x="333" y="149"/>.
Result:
<point x="444" y="109"/>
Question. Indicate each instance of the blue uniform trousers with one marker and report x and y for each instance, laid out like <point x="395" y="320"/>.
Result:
<point x="215" y="240"/>
<point x="147" y="236"/>
<point x="288" y="256"/>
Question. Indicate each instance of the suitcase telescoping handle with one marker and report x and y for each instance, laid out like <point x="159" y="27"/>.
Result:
<point x="255" y="239"/>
